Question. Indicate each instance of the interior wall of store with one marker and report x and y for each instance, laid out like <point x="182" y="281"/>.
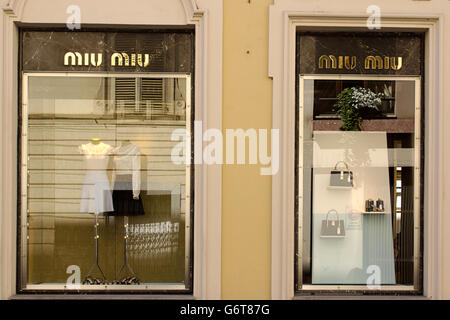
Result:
<point x="246" y="209"/>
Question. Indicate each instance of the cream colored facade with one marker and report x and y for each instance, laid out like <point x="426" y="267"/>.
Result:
<point x="245" y="62"/>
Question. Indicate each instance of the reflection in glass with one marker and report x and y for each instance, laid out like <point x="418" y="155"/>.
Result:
<point x="102" y="190"/>
<point x="326" y="92"/>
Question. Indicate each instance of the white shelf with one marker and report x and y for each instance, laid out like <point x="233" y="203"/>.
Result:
<point x="375" y="213"/>
<point x="339" y="188"/>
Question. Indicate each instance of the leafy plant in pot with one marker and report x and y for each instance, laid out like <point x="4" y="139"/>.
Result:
<point x="354" y="103"/>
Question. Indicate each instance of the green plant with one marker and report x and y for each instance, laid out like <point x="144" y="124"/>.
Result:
<point x="351" y="104"/>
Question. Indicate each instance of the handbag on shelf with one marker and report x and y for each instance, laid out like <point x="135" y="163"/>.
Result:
<point x="370" y="205"/>
<point x="332" y="228"/>
<point x="341" y="177"/>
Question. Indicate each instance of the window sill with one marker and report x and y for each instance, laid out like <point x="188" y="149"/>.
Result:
<point x="365" y="297"/>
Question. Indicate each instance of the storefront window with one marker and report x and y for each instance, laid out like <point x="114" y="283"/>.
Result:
<point x="103" y="204"/>
<point x="359" y="180"/>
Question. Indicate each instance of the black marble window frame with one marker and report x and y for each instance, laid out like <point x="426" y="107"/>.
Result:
<point x="186" y="30"/>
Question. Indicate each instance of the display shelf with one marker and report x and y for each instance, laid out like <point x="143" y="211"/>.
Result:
<point x="339" y="188"/>
<point x="332" y="237"/>
<point x="375" y="212"/>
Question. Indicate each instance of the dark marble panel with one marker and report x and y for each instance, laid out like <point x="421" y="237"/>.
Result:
<point x="385" y="48"/>
<point x="142" y="51"/>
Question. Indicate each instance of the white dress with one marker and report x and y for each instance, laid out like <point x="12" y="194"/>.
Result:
<point x="96" y="193"/>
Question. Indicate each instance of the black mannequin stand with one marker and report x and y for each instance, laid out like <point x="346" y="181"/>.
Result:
<point x="89" y="279"/>
<point x="133" y="278"/>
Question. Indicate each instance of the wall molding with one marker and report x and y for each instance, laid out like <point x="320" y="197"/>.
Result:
<point x="208" y="108"/>
<point x="14" y="8"/>
<point x="284" y="20"/>
<point x="192" y="10"/>
<point x="11" y="10"/>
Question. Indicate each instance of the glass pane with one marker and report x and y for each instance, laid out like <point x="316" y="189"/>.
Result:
<point x="358" y="188"/>
<point x="103" y="194"/>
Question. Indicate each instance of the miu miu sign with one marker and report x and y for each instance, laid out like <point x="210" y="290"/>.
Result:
<point x="349" y="63"/>
<point x="96" y="59"/>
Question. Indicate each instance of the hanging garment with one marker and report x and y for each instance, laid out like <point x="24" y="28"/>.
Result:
<point x="127" y="160"/>
<point x="96" y="192"/>
<point x="124" y="202"/>
<point x="127" y="185"/>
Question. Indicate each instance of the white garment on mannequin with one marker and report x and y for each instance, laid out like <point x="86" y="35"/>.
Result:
<point x="127" y="160"/>
<point x="96" y="193"/>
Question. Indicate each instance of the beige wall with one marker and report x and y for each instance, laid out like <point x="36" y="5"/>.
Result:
<point x="246" y="202"/>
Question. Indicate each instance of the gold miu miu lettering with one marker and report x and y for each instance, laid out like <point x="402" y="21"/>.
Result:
<point x="349" y="62"/>
<point x="117" y="59"/>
